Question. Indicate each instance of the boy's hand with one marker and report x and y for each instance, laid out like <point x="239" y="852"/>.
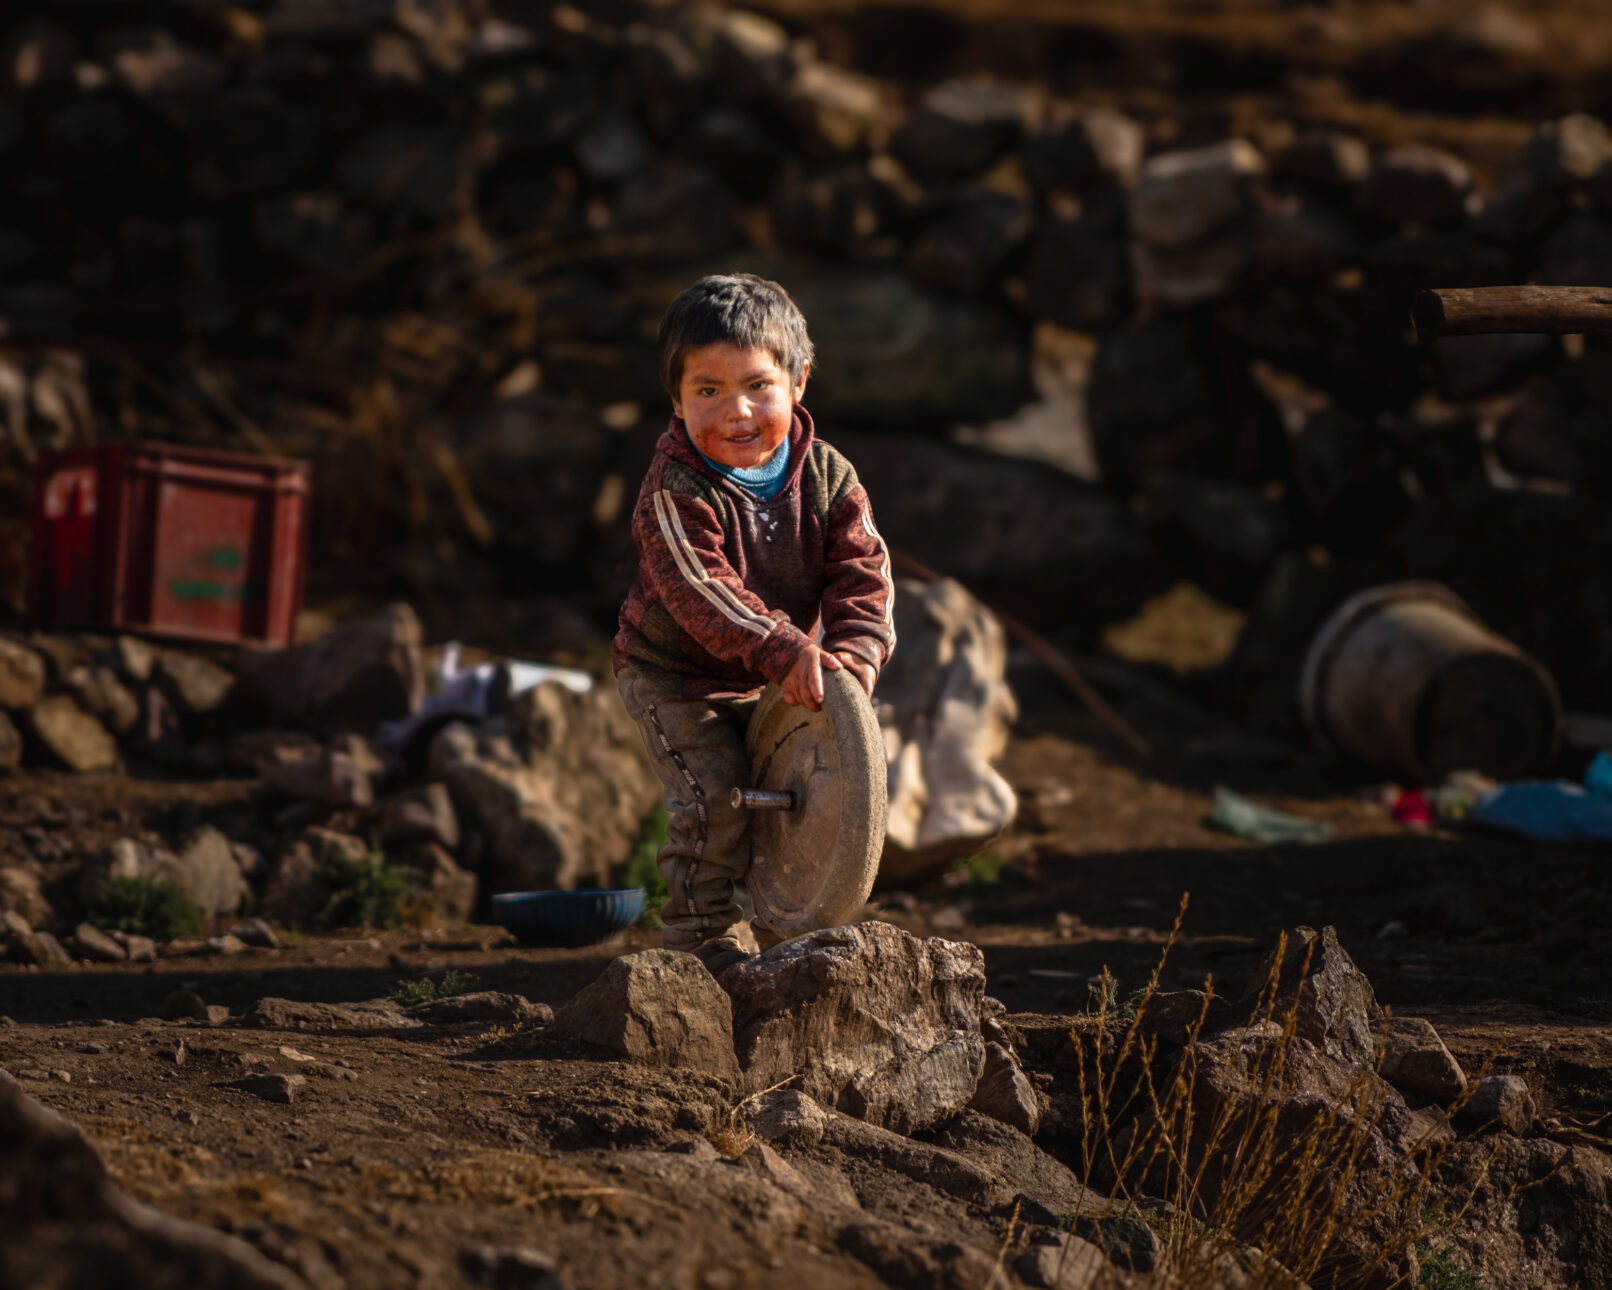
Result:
<point x="862" y="671"/>
<point x="804" y="685"/>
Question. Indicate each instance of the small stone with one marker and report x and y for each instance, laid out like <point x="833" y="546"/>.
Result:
<point x="256" y="933"/>
<point x="338" y="1072"/>
<point x="1571" y="151"/>
<point x="482" y="1006"/>
<point x="1415" y="1058"/>
<point x="94" y="1049"/>
<point x="517" y="1267"/>
<point x="216" y="1015"/>
<point x="10" y="744"/>
<point x="136" y="657"/>
<point x="422" y="814"/>
<point x="330" y="779"/>
<point x="101" y="694"/>
<point x="95" y="945"/>
<point x="1417" y="184"/>
<point x="198" y="686"/>
<point x="187" y="1116"/>
<point x="22" y="675"/>
<point x="1499" y="1104"/>
<point x="228" y="943"/>
<point x="40" y="948"/>
<point x="785" y="1115"/>
<point x="1181" y="197"/>
<point x="960" y="128"/>
<point x="274" y="1088"/>
<point x="140" y="949"/>
<point x="1004" y="1093"/>
<point x="1070" y="1264"/>
<point x="65" y="1077"/>
<point x="72" y="736"/>
<point x="181" y="1004"/>
<point x="949" y="918"/>
<point x="177" y="1053"/>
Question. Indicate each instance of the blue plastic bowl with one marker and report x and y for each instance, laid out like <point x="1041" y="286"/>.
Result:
<point x="568" y="918"/>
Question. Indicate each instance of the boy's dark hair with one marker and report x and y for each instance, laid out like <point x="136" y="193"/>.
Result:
<point x="740" y="308"/>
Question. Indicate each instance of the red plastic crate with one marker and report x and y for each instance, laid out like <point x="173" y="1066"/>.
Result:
<point x="170" y="540"/>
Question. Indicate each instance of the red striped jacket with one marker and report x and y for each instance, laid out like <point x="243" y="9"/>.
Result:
<point x="730" y="588"/>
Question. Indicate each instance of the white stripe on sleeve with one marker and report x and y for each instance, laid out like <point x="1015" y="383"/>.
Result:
<point x="720" y="595"/>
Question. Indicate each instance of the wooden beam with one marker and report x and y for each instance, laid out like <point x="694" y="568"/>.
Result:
<point x="1472" y="311"/>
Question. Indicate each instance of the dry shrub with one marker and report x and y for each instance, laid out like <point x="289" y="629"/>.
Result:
<point x="1322" y="1197"/>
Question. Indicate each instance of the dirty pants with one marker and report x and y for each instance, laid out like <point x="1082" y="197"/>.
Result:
<point x="697" y="749"/>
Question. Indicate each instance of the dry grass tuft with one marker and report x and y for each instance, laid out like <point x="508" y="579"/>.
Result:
<point x="1321" y="1195"/>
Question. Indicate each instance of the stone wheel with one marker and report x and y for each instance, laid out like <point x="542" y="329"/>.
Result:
<point x="814" y="866"/>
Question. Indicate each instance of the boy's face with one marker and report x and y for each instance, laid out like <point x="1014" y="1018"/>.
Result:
<point x="737" y="403"/>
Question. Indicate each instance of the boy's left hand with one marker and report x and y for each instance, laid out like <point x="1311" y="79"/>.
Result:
<point x="861" y="670"/>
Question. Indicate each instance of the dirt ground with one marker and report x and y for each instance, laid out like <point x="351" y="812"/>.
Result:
<point x="404" y="1150"/>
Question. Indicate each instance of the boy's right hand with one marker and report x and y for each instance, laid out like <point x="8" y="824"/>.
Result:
<point x="804" y="685"/>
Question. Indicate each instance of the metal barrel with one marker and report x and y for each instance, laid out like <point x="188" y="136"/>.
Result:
<point x="1407" y="679"/>
<point x="763" y="799"/>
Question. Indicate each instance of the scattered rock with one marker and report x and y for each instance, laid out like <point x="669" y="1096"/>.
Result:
<point x="873" y="1022"/>
<point x="136" y="658"/>
<point x="105" y="697"/>
<point x="22" y="676"/>
<point x="1182" y="197"/>
<point x="94" y="944"/>
<point x="914" y="1254"/>
<point x="1415" y="1059"/>
<point x="1573" y="151"/>
<point x="72" y="1230"/>
<point x="784" y="1115"/>
<point x="296" y="891"/>
<point x="22" y="893"/>
<point x="256" y="933"/>
<point x="196" y="685"/>
<point x="559" y="787"/>
<point x="25" y="945"/>
<point x="1100" y="146"/>
<point x="10" y="744"/>
<point x="517" y="1267"/>
<point x="140" y="949"/>
<point x="228" y="943"/>
<point x="329" y="778"/>
<point x="1417" y="184"/>
<point x="285" y="1014"/>
<point x="179" y="1004"/>
<point x="452" y="888"/>
<point x="960" y="127"/>
<point x="256" y="752"/>
<point x="484" y="1005"/>
<point x="353" y="678"/>
<point x="1499" y="1104"/>
<point x="1004" y="1093"/>
<point x="1069" y="1263"/>
<point x="71" y="735"/>
<point x="658" y="1007"/>
<point x="423" y="814"/>
<point x="284" y="1089"/>
<point x="1335" y="1005"/>
<point x="208" y="875"/>
<point x="945" y="709"/>
<point x="1175" y="1015"/>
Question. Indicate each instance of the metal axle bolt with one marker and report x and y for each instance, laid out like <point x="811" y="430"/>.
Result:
<point x="763" y="799"/>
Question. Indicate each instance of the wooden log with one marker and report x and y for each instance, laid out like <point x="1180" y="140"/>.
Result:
<point x="1471" y="311"/>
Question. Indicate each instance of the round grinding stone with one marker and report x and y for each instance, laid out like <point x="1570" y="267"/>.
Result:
<point x="814" y="866"/>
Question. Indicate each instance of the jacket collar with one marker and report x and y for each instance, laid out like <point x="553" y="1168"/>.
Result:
<point x="676" y="444"/>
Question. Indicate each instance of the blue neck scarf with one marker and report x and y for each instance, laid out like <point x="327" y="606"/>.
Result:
<point x="765" y="481"/>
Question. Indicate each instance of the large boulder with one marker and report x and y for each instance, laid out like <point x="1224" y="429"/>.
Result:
<point x="868" y="1019"/>
<point x="68" y="1224"/>
<point x="945" y="709"/>
<point x="557" y="788"/>
<point x="352" y="678"/>
<point x="659" y="1007"/>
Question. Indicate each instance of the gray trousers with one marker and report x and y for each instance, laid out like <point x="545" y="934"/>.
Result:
<point x="697" y="749"/>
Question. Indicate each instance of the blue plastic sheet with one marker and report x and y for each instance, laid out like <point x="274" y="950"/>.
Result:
<point x="1548" y="810"/>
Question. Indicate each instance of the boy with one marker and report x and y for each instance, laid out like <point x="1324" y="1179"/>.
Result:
<point x="752" y="535"/>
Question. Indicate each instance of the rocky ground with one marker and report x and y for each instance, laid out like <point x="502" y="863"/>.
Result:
<point x="379" y="1147"/>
